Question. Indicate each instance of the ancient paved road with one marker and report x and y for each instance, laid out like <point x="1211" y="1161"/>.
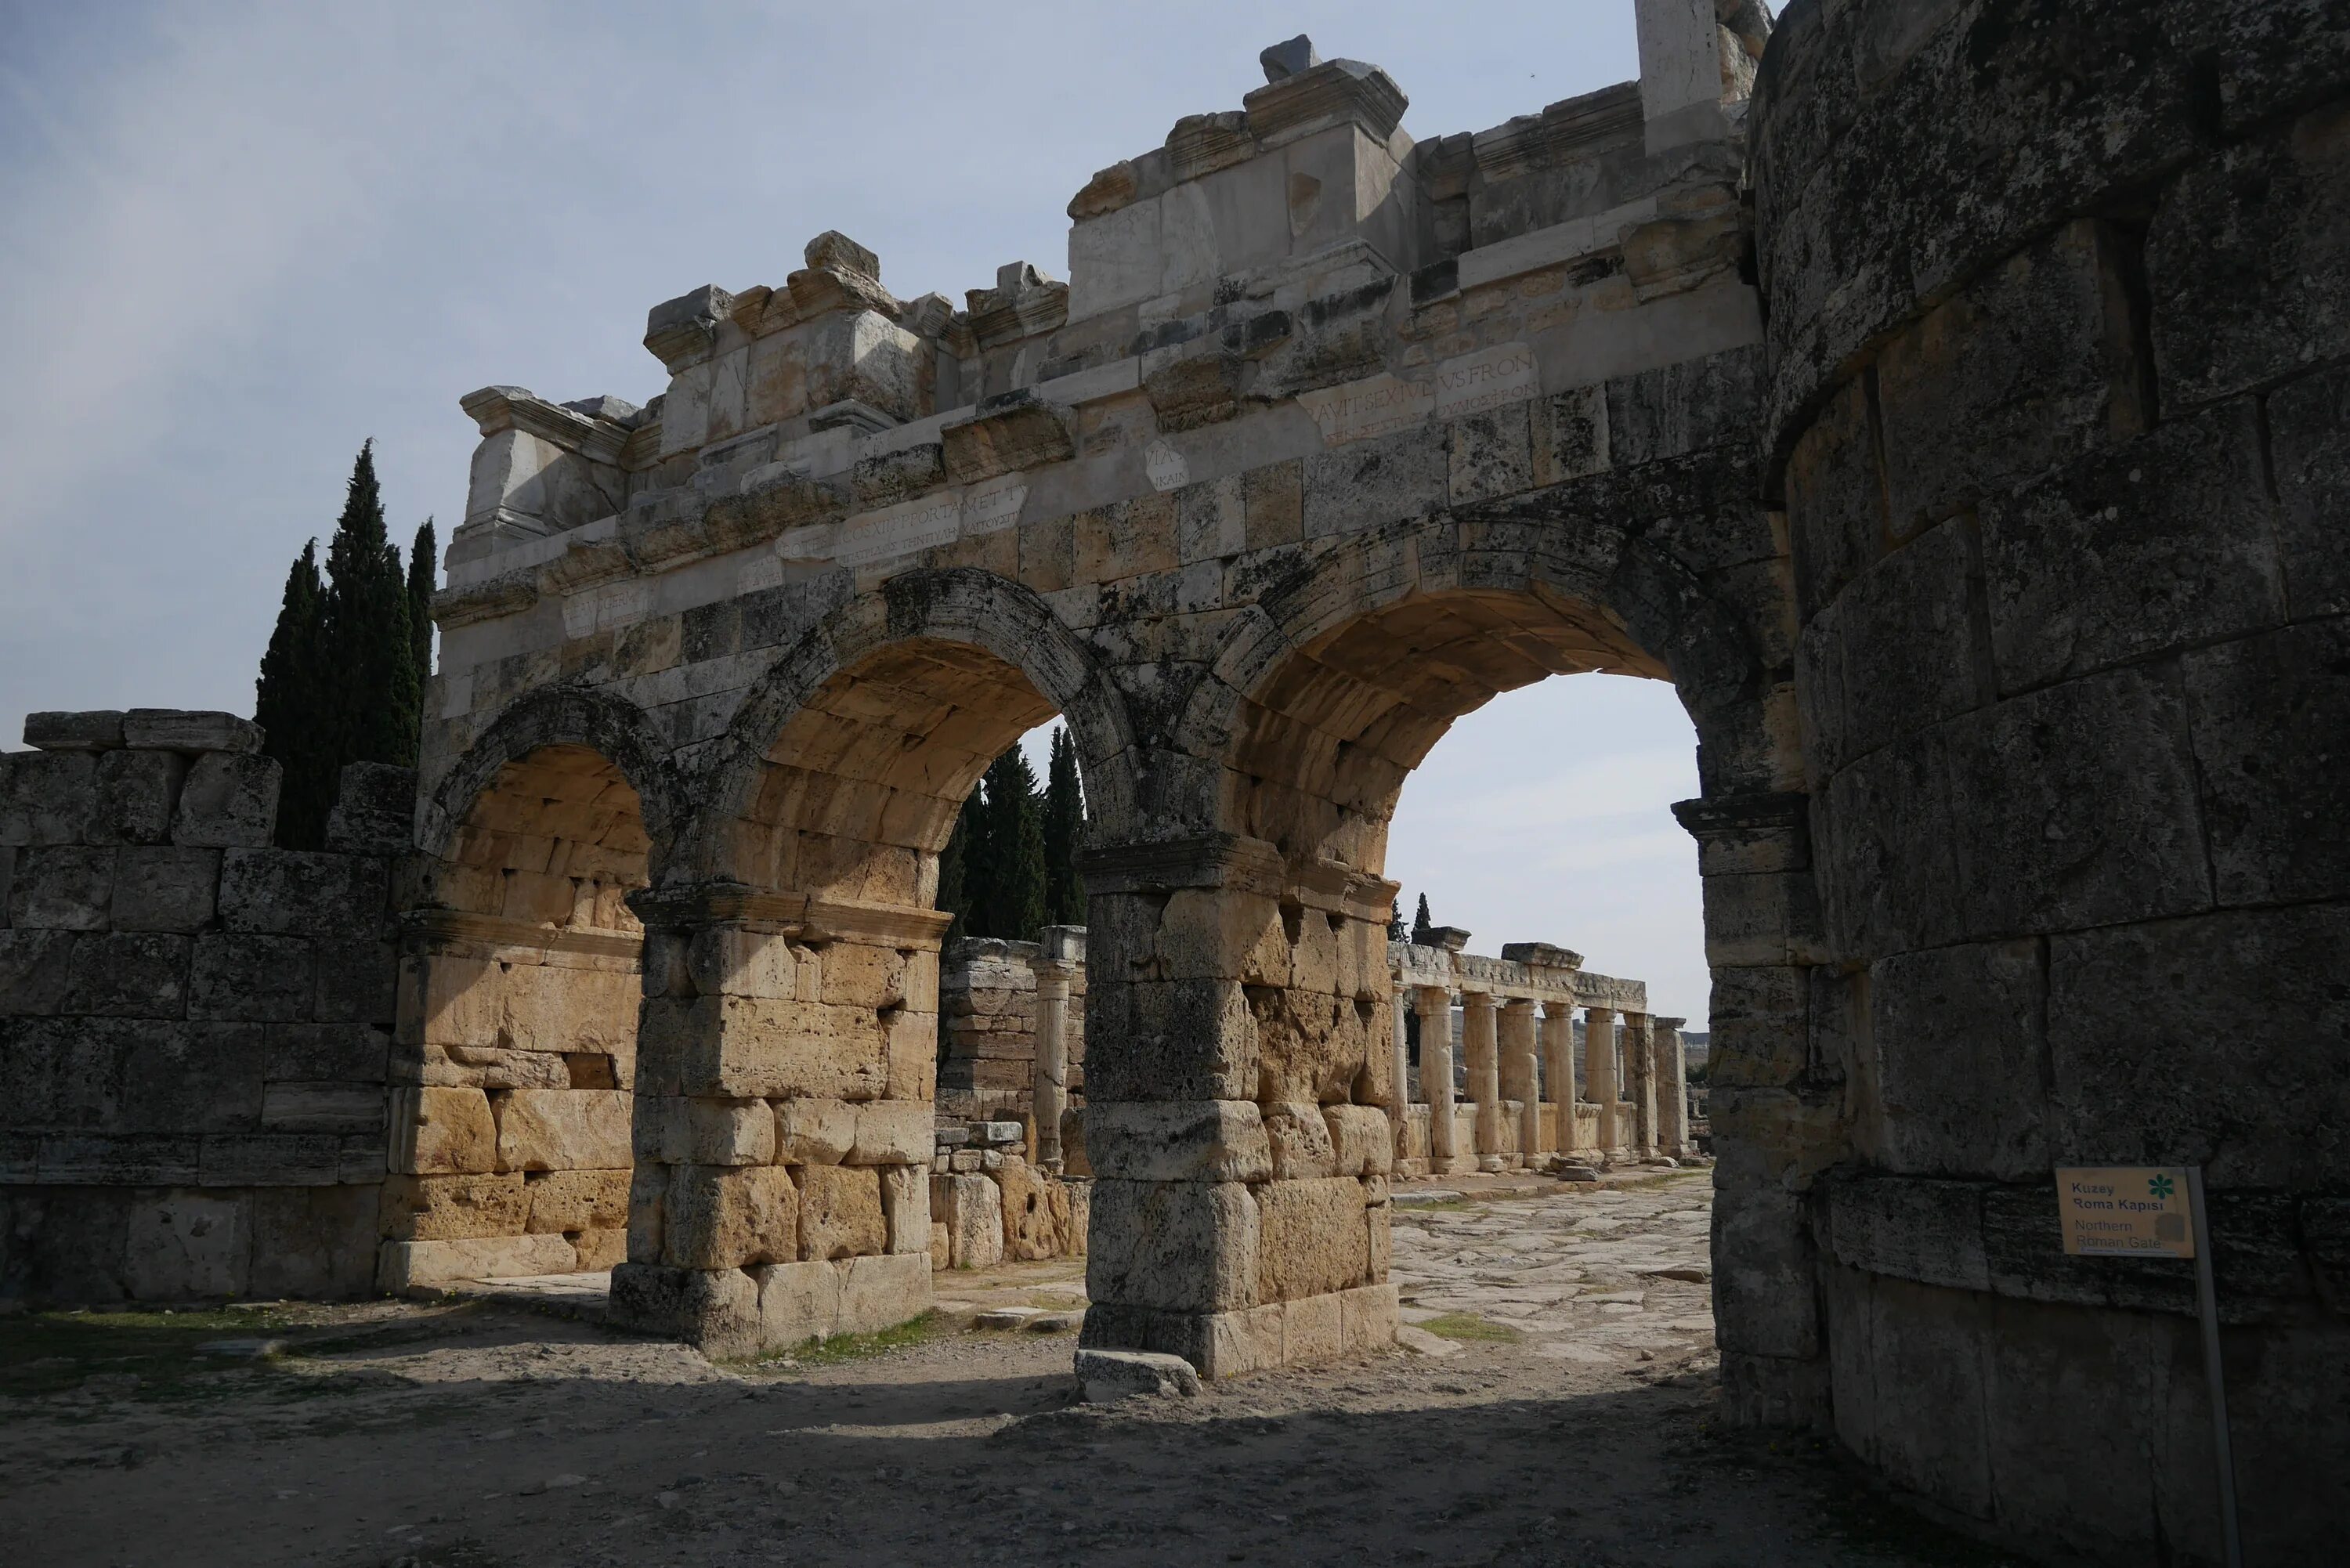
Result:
<point x="1569" y="1426"/>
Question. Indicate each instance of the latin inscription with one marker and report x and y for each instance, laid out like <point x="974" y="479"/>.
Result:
<point x="903" y="530"/>
<point x="1383" y="404"/>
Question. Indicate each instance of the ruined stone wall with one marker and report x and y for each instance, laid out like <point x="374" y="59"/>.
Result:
<point x="987" y="1022"/>
<point x="194" y="1027"/>
<point x="2058" y="304"/>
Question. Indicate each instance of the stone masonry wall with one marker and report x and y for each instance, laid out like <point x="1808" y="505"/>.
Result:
<point x="2058" y="314"/>
<point x="193" y="1025"/>
<point x="987" y="1019"/>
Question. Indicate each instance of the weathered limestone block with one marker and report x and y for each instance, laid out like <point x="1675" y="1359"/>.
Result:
<point x="1173" y="1246"/>
<point x="1005" y="433"/>
<point x="564" y="1129"/>
<point x="120" y="974"/>
<point x="177" y="729"/>
<point x="682" y="1131"/>
<point x="811" y="1130"/>
<point x="46" y="797"/>
<point x="228" y="800"/>
<point x="1311" y="1238"/>
<point x="746" y="1047"/>
<point x="1362" y="1139"/>
<point x="62" y="887"/>
<point x="906" y="1207"/>
<point x="93" y="730"/>
<point x="443" y="1132"/>
<point x="798" y="1302"/>
<point x="876" y="1292"/>
<point x="323" y="1107"/>
<point x="1962" y="1061"/>
<point x="579" y="1201"/>
<point x="291" y="892"/>
<point x="601" y="1249"/>
<point x="252" y="977"/>
<point x="1177" y="1140"/>
<point x="1301" y="1141"/>
<point x="314" y="1243"/>
<point x="34" y="966"/>
<point x="1107" y="1376"/>
<point x="487" y="1067"/>
<point x="891" y="1132"/>
<point x="725" y="1217"/>
<point x="136" y="795"/>
<point x="454" y="1208"/>
<point x="164" y="889"/>
<point x="1035" y="1211"/>
<point x="840" y="1212"/>
<point x="970" y="1208"/>
<point x="416" y="1265"/>
<point x="716" y="1310"/>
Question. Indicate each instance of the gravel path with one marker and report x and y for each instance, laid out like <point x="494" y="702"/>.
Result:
<point x="1562" y="1416"/>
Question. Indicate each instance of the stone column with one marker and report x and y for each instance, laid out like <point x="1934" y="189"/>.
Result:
<point x="1436" y="1075"/>
<point x="1521" y="1079"/>
<point x="1599" y="1071"/>
<point x="1672" y="1085"/>
<point x="1558" y="1067"/>
<point x="1642" y="1090"/>
<point x="1484" y="1078"/>
<point x="1060" y="951"/>
<point x="1400" y="1106"/>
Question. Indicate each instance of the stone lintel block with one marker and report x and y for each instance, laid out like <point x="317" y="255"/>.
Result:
<point x="98" y="729"/>
<point x="228" y="800"/>
<point x="1178" y="1140"/>
<point x="715" y="1310"/>
<point x="1006" y="433"/>
<point x="179" y="729"/>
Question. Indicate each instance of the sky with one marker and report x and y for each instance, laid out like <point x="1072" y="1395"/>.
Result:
<point x="238" y="239"/>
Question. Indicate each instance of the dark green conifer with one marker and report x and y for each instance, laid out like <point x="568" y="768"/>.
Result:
<point x="1008" y="901"/>
<point x="422" y="561"/>
<point x="1064" y="826"/>
<point x="371" y="655"/>
<point x="1422" y="929"/>
<point x="955" y="868"/>
<point x="287" y="702"/>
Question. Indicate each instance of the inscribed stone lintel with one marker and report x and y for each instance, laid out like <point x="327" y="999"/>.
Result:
<point x="1385" y="404"/>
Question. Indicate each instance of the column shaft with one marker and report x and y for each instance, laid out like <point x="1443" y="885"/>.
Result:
<point x="1484" y="1078"/>
<point x="1643" y="1087"/>
<point x="1558" y="1068"/>
<point x="1436" y="1073"/>
<point x="1599" y="1070"/>
<point x="1521" y="1077"/>
<point x="1672" y="1085"/>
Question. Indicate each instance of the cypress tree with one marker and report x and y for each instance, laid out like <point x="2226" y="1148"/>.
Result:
<point x="1065" y="825"/>
<point x="422" y="559"/>
<point x="1421" y="926"/>
<point x="287" y="703"/>
<point x="1009" y="902"/>
<point x="955" y="868"/>
<point x="1394" y="920"/>
<point x="372" y="656"/>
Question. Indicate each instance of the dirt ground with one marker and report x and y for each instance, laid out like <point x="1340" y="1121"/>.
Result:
<point x="1559" y="1412"/>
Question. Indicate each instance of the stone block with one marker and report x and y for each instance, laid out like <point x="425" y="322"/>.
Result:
<point x="2098" y="767"/>
<point x="122" y="974"/>
<point x="323" y="1107"/>
<point x="1362" y="1139"/>
<point x="1961" y="1062"/>
<point x="421" y="1265"/>
<point x="840" y="1212"/>
<point x="62" y="887"/>
<point x="719" y="1132"/>
<point x="1312" y="1239"/>
<point x="715" y="1310"/>
<point x="164" y="889"/>
<point x="600" y="1250"/>
<point x="2309" y="449"/>
<point x="270" y="979"/>
<point x="1764" y="1298"/>
<point x="2028" y="366"/>
<point x="299" y="892"/>
<point x="454" y="1208"/>
<point x="742" y="1047"/>
<point x="1178" y="1140"/>
<point x="356" y="980"/>
<point x="34" y="966"/>
<point x="564" y="1129"/>
<point x="1173" y="1246"/>
<point x="970" y="1208"/>
<point x="313" y="1242"/>
<point x="443" y="1132"/>
<point x="2204" y="1041"/>
<point x="1883" y="852"/>
<point x="2268" y="714"/>
<point x="1489" y="455"/>
<point x="724" y="1217"/>
<point x="891" y="1132"/>
<point x="879" y="1292"/>
<point x="228" y="800"/>
<point x="906" y="1207"/>
<point x="1035" y="1212"/>
<point x="1367" y="482"/>
<point x="180" y="730"/>
<point x="375" y="807"/>
<point x="270" y="1159"/>
<point x="187" y="1246"/>
<point x="136" y="795"/>
<point x="2160" y="542"/>
<point x="1675" y="410"/>
<point x="1105" y="1377"/>
<point x="321" y="1053"/>
<point x="2245" y="260"/>
<point x="798" y="1302"/>
<point x="811" y="1130"/>
<point x="567" y="1200"/>
<point x="1301" y="1141"/>
<point x="1835" y="499"/>
<point x="1909" y="622"/>
<point x="97" y="731"/>
<point x="46" y="797"/>
<point x="133" y="1160"/>
<point x="1927" y="1230"/>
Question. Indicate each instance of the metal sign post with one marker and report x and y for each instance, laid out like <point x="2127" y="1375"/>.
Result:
<point x="2157" y="1211"/>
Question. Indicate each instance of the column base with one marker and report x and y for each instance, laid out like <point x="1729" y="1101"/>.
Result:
<point x="1452" y="1165"/>
<point x="1252" y="1339"/>
<point x="735" y="1313"/>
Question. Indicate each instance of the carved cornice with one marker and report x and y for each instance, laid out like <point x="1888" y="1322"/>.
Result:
<point x="429" y="931"/>
<point x="497" y="409"/>
<point x="798" y="914"/>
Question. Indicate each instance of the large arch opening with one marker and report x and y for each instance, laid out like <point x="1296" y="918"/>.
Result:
<point x="517" y="1030"/>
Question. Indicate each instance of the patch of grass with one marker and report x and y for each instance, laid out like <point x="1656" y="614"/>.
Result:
<point x="1468" y="1326"/>
<point x="49" y="1352"/>
<point x="1055" y="1301"/>
<point x="842" y="1348"/>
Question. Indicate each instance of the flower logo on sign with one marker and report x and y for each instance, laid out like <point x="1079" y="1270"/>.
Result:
<point x="2160" y="1185"/>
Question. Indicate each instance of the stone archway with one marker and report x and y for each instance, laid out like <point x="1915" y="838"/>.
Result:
<point x="511" y="1150"/>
